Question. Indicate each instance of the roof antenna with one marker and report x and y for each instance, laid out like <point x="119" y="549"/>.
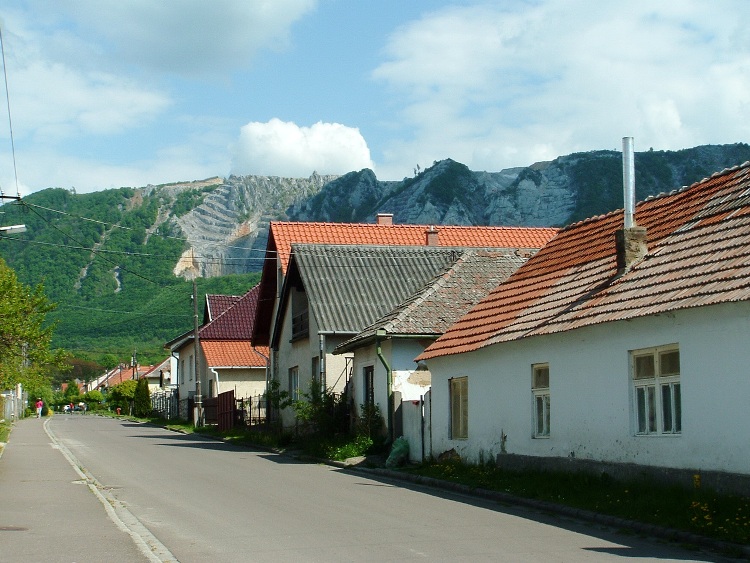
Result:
<point x="10" y="122"/>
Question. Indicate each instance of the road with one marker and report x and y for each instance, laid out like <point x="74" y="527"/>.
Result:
<point x="193" y="499"/>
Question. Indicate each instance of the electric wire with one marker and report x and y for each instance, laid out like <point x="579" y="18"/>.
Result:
<point x="10" y="121"/>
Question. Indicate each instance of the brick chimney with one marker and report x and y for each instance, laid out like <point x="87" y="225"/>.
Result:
<point x="630" y="241"/>
<point x="384" y="219"/>
<point x="431" y="236"/>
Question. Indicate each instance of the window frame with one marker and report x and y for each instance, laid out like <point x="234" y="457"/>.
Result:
<point x="368" y="385"/>
<point x="541" y="401"/>
<point x="458" y="396"/>
<point x="656" y="391"/>
<point x="294" y="391"/>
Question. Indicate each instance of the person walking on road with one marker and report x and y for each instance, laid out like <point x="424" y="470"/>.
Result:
<point x="39" y="405"/>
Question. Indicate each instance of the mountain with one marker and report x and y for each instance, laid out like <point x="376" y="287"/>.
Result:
<point x="120" y="262"/>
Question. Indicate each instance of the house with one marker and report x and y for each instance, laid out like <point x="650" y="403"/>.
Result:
<point x="283" y="235"/>
<point x="228" y="359"/>
<point x="622" y="342"/>
<point x="383" y="352"/>
<point x="159" y="376"/>
<point x="329" y="294"/>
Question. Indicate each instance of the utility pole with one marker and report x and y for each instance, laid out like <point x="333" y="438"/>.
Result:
<point x="196" y="363"/>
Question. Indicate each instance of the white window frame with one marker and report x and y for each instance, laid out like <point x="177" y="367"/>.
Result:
<point x="458" y="388"/>
<point x="540" y="395"/>
<point x="294" y="383"/>
<point x="657" y="402"/>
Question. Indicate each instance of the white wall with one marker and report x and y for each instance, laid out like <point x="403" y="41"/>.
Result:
<point x="245" y="382"/>
<point x="591" y="393"/>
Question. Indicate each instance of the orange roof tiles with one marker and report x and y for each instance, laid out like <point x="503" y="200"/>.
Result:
<point x="698" y="254"/>
<point x="234" y="353"/>
<point x="284" y="234"/>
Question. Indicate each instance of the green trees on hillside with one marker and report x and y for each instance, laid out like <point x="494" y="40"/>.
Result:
<point x="25" y="354"/>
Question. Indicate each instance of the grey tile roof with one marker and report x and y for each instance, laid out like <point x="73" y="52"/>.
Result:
<point x="445" y="298"/>
<point x="348" y="287"/>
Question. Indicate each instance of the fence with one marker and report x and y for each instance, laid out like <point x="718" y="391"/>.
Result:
<point x="13" y="404"/>
<point x="165" y="403"/>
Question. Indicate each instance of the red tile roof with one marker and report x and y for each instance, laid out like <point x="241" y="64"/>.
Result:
<point x="234" y="353"/>
<point x="698" y="254"/>
<point x="283" y="234"/>
<point x="236" y="321"/>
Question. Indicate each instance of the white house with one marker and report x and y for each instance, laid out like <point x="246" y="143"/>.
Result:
<point x="620" y="342"/>
<point x="383" y="353"/>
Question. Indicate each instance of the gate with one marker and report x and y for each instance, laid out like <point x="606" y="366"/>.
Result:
<point x="225" y="410"/>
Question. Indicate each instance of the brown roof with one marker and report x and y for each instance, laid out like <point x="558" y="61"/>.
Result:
<point x="236" y="321"/>
<point x="283" y="234"/>
<point x="698" y="254"/>
<point x="217" y="304"/>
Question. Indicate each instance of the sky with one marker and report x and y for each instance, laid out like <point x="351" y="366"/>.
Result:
<point x="105" y="94"/>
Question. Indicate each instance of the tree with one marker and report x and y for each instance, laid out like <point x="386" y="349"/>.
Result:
<point x="72" y="392"/>
<point x="142" y="399"/>
<point x="122" y="394"/>
<point x="25" y="355"/>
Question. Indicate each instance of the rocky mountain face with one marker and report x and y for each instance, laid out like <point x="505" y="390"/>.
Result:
<point x="227" y="231"/>
<point x="230" y="227"/>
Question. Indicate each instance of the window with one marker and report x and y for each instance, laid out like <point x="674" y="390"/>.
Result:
<point x="294" y="383"/>
<point x="191" y="365"/>
<point x="656" y="386"/>
<point x="368" y="388"/>
<point x="300" y="315"/>
<point x="540" y="393"/>
<point x="459" y="398"/>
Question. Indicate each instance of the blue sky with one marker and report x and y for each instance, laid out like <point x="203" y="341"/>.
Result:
<point x="106" y="94"/>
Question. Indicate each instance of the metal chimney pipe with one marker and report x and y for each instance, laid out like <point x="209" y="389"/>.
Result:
<point x="628" y="180"/>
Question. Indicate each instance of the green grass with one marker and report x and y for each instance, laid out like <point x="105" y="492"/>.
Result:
<point x="700" y="511"/>
<point x="4" y="431"/>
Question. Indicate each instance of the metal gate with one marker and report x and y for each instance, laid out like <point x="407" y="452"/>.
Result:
<point x="225" y="409"/>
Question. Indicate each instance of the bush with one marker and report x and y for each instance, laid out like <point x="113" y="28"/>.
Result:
<point x="142" y="399"/>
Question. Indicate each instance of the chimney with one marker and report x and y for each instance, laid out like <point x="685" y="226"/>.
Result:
<point x="630" y="241"/>
<point x="431" y="236"/>
<point x="384" y="219"/>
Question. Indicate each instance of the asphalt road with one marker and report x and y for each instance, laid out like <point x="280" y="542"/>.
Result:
<point x="192" y="499"/>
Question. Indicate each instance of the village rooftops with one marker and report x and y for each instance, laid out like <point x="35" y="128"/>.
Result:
<point x="698" y="253"/>
<point x="283" y="234"/>
<point x="443" y="300"/>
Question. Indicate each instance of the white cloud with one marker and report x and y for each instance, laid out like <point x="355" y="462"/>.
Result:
<point x="499" y="86"/>
<point x="279" y="148"/>
<point x="189" y="37"/>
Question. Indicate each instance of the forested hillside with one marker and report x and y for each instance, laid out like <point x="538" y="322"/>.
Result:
<point x="107" y="261"/>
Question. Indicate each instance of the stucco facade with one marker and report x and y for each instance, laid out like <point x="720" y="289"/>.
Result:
<point x="315" y="351"/>
<point x="591" y="388"/>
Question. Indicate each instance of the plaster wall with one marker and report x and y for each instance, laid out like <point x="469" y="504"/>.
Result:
<point x="592" y="396"/>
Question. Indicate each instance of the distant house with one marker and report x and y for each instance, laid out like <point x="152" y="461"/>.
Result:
<point x="620" y="344"/>
<point x="271" y="324"/>
<point x="159" y="376"/>
<point x="383" y="352"/>
<point x="229" y="360"/>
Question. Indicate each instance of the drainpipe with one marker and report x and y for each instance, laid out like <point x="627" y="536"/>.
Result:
<point x="216" y="374"/>
<point x="380" y="334"/>
<point x="322" y="362"/>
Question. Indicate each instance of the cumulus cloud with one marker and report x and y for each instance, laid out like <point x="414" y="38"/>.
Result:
<point x="502" y="85"/>
<point x="279" y="148"/>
